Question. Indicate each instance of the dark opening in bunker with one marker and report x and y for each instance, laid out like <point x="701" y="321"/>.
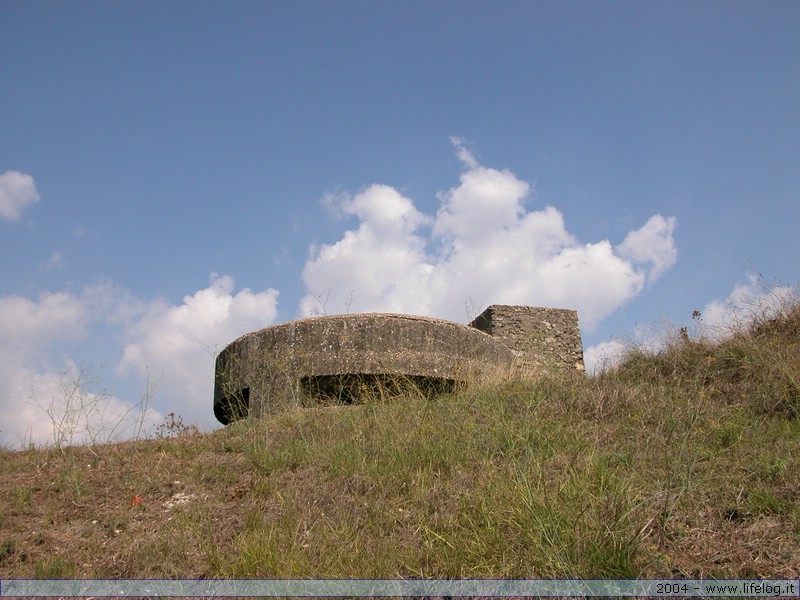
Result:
<point x="234" y="407"/>
<point x="357" y="388"/>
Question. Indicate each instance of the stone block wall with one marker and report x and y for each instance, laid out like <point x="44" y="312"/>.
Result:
<point x="540" y="338"/>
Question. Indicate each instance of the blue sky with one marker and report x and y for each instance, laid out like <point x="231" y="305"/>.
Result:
<point x="174" y="174"/>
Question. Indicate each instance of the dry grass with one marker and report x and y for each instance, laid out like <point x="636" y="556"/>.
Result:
<point x="682" y="463"/>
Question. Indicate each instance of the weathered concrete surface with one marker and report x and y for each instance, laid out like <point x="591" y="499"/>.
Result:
<point x="292" y="363"/>
<point x="540" y="338"/>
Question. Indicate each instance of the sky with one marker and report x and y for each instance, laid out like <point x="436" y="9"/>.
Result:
<point x="175" y="174"/>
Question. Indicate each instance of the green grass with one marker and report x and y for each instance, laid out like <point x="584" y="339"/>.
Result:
<point x="684" y="462"/>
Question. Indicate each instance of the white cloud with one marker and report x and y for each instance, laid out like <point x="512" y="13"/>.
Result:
<point x="33" y="379"/>
<point x="28" y="331"/>
<point x="177" y="345"/>
<point x="647" y="338"/>
<point x="26" y="325"/>
<point x="653" y="244"/>
<point x="487" y="201"/>
<point x="384" y="210"/>
<point x="67" y="407"/>
<point x="173" y="346"/>
<point x="463" y="154"/>
<point x="718" y="319"/>
<point x="604" y="355"/>
<point x="746" y="302"/>
<point x="384" y="257"/>
<point x="56" y="262"/>
<point x="482" y="245"/>
<point x="17" y="191"/>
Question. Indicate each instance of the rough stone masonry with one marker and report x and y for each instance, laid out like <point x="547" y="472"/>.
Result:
<point x="540" y="338"/>
<point x="339" y="357"/>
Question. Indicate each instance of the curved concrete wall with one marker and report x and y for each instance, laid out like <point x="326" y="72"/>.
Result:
<point x="279" y="366"/>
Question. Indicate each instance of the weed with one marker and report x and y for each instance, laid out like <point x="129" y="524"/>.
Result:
<point x="173" y="427"/>
<point x="6" y="550"/>
<point x="85" y="413"/>
<point x="54" y="567"/>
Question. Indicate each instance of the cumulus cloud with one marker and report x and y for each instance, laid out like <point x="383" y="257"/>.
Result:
<point x="69" y="406"/>
<point x="26" y="325"/>
<point x="384" y="259"/>
<point x="171" y="347"/>
<point x="17" y="191"/>
<point x="604" y="355"/>
<point x="746" y="302"/>
<point x="648" y="338"/>
<point x="483" y="244"/>
<point x="652" y="245"/>
<point x="29" y="329"/>
<point x="753" y="300"/>
<point x="33" y="379"/>
<point x="487" y="201"/>
<point x="177" y="345"/>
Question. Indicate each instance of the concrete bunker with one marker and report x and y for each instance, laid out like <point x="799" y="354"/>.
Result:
<point x="338" y="359"/>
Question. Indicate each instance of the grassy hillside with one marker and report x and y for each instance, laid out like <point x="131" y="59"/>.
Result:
<point x="680" y="463"/>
